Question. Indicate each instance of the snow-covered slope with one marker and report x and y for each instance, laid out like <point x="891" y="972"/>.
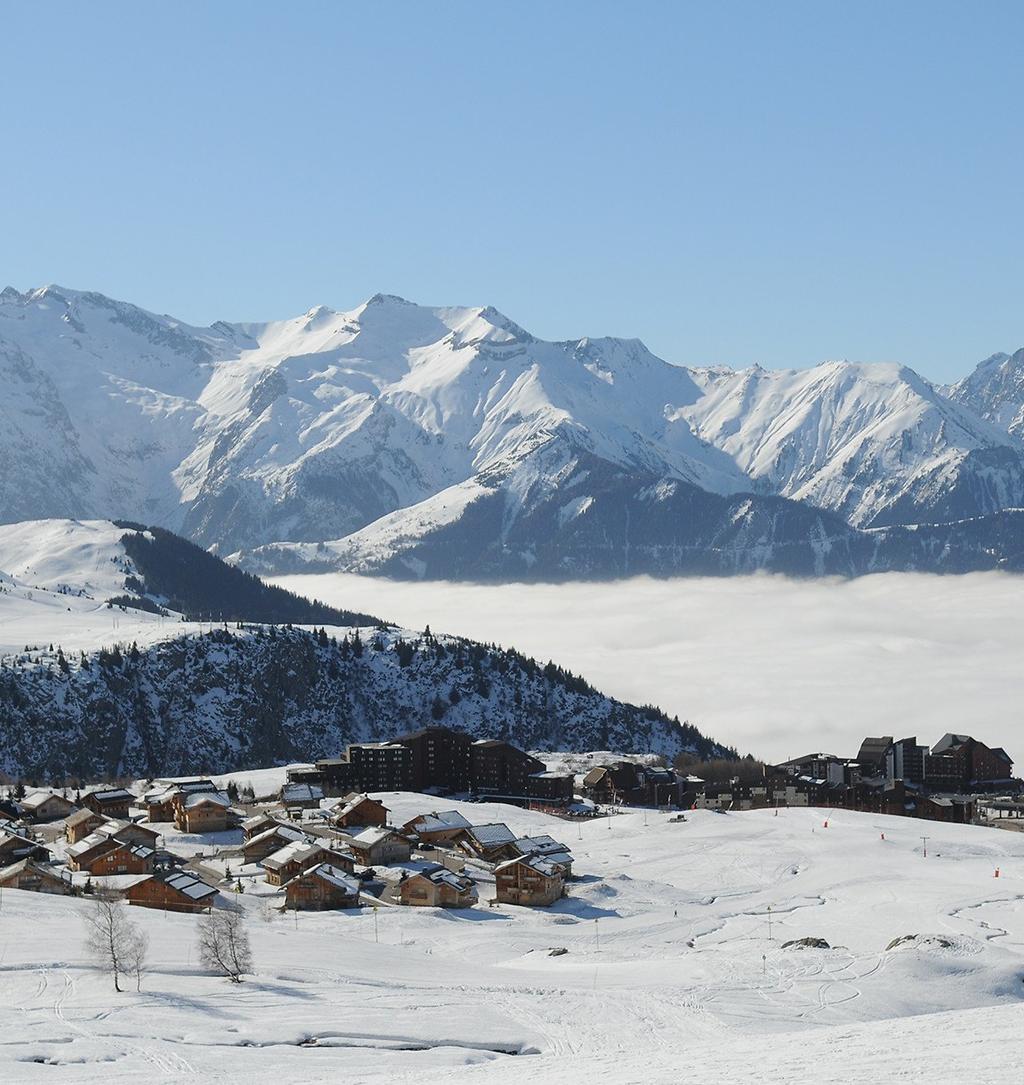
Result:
<point x="670" y="971"/>
<point x="876" y="444"/>
<point x="104" y="565"/>
<point x="74" y="557"/>
<point x="397" y="426"/>
<point x="995" y="391"/>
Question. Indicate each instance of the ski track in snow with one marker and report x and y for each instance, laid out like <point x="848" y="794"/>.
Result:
<point x="669" y="968"/>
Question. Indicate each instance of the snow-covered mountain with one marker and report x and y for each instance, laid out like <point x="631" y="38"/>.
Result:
<point x="876" y="444"/>
<point x="392" y="435"/>
<point x="101" y="674"/>
<point x="995" y="391"/>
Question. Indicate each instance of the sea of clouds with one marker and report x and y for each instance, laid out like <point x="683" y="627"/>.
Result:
<point x="773" y="666"/>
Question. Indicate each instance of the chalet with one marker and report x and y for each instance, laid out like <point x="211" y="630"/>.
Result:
<point x="356" y="809"/>
<point x="300" y="855"/>
<point x="378" y="846"/>
<point x="173" y="891"/>
<point x="443" y="828"/>
<point x="81" y="823"/>
<point x="298" y="796"/>
<point x="321" y="887"/>
<point x="35" y="877"/>
<point x="437" y="887"/>
<point x="202" y="812"/>
<point x="610" y="783"/>
<point x="101" y="855"/>
<point x="491" y="842"/>
<point x="547" y="848"/>
<point x="127" y="832"/>
<point x="111" y="803"/>
<point x="10" y="811"/>
<point x="14" y="848"/>
<point x="530" y="880"/>
<point x="270" y="840"/>
<point x="45" y="806"/>
<point x="259" y="823"/>
<point x="159" y="802"/>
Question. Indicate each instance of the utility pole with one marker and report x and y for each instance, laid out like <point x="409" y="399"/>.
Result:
<point x="924" y="841"/>
<point x="597" y="938"/>
<point x="376" y="934"/>
<point x="769" y="922"/>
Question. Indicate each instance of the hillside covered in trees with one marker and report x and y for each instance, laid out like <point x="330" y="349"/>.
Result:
<point x="244" y="697"/>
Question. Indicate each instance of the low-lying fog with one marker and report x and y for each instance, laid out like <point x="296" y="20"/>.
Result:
<point x="776" y="667"/>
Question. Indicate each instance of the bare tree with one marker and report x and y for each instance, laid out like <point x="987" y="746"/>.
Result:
<point x="113" y="940"/>
<point x="224" y="943"/>
<point x="135" y="954"/>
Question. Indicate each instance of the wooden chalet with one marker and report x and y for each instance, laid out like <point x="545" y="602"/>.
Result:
<point x="202" y="812"/>
<point x="43" y="806"/>
<point x="81" y="823"/>
<point x="34" y="877"/>
<point x="492" y="842"/>
<point x="355" y="809"/>
<point x="443" y="828"/>
<point x="530" y="880"/>
<point x="173" y="891"/>
<point x="270" y="840"/>
<point x="159" y="802"/>
<point x="299" y="796"/>
<point x="299" y="856"/>
<point x="110" y="802"/>
<point x="378" y="846"/>
<point x="546" y="847"/>
<point x="321" y="887"/>
<point x="259" y="823"/>
<point x="99" y="855"/>
<point x="14" y="848"/>
<point x="437" y="887"/>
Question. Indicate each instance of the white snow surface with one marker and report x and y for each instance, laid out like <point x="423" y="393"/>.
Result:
<point x="670" y="973"/>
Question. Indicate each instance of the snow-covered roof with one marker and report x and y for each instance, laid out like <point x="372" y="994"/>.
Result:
<point x="540" y="863"/>
<point x="336" y="877"/>
<point x="374" y="834"/>
<point x="301" y="793"/>
<point x="207" y="798"/>
<point x="286" y="832"/>
<point x="188" y="884"/>
<point x="545" y="846"/>
<point x="349" y="806"/>
<point x="296" y="851"/>
<point x="435" y="823"/>
<point x="37" y="798"/>
<point x="95" y="839"/>
<point x="492" y="835"/>
<point x="442" y="875"/>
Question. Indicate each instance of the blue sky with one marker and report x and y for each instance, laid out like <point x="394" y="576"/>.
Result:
<point x="731" y="182"/>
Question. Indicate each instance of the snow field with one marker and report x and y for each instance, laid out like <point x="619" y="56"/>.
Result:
<point x="669" y="971"/>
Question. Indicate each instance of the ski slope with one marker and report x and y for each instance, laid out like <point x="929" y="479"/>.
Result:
<point x="670" y="974"/>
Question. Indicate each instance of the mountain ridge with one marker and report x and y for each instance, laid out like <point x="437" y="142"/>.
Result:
<point x="393" y="420"/>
